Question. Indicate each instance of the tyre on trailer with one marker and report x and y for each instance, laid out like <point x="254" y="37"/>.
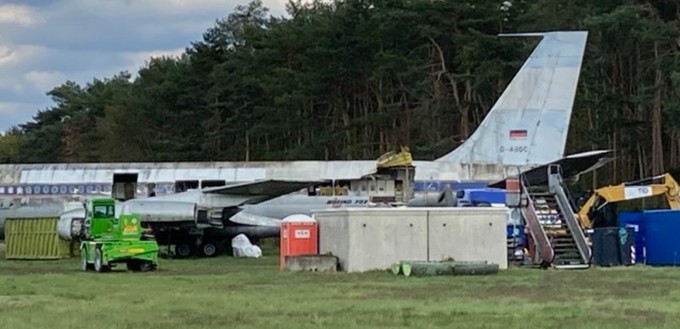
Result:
<point x="83" y="260"/>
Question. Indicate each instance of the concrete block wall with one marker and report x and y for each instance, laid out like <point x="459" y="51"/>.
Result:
<point x="469" y="234"/>
<point x="366" y="239"/>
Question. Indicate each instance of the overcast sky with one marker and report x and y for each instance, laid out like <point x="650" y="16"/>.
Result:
<point x="43" y="43"/>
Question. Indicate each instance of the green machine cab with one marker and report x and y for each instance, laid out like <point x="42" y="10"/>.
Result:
<point x="111" y="240"/>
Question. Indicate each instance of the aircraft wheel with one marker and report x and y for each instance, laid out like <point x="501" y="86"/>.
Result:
<point x="210" y="249"/>
<point x="183" y="250"/>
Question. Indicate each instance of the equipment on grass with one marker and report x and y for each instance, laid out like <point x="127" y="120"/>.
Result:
<point x="109" y="240"/>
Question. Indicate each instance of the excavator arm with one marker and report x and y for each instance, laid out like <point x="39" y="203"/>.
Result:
<point x="648" y="187"/>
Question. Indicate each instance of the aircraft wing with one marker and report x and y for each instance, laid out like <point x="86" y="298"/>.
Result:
<point x="263" y="190"/>
<point x="572" y="166"/>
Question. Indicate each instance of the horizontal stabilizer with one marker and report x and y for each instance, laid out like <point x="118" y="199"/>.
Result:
<point x="572" y="166"/>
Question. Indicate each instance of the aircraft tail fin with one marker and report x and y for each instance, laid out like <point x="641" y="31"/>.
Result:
<point x="528" y="125"/>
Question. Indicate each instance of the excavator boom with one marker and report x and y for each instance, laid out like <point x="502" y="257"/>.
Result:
<point x="653" y="186"/>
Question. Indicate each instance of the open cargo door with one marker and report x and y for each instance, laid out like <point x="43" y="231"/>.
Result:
<point x="124" y="186"/>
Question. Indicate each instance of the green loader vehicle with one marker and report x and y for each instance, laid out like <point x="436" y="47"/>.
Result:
<point x="110" y="240"/>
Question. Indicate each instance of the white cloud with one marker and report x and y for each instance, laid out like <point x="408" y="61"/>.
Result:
<point x="183" y="8"/>
<point x="12" y="55"/>
<point x="43" y="43"/>
<point x="15" y="113"/>
<point x="155" y="7"/>
<point x="140" y="57"/>
<point x="13" y="14"/>
<point x="44" y="80"/>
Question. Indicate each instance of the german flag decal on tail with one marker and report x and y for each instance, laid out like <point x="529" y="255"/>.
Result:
<point x="518" y="134"/>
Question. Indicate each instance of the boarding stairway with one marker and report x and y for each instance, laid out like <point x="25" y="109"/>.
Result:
<point x="549" y="214"/>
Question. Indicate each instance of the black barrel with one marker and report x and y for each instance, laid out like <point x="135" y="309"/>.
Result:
<point x="612" y="246"/>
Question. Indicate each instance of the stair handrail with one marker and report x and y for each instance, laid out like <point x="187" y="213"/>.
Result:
<point x="544" y="249"/>
<point x="556" y="186"/>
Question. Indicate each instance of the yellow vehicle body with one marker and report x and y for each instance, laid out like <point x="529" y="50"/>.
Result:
<point x="665" y="185"/>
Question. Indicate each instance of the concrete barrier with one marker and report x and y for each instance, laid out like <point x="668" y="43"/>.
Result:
<point x="469" y="234"/>
<point x="366" y="239"/>
<point x="311" y="263"/>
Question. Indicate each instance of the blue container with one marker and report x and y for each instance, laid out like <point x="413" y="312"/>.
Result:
<point x="516" y="242"/>
<point x="635" y="220"/>
<point x="661" y="236"/>
<point x="515" y="231"/>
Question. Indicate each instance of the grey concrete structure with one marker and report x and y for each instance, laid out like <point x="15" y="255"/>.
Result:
<point x="468" y="234"/>
<point x="375" y="238"/>
<point x="311" y="263"/>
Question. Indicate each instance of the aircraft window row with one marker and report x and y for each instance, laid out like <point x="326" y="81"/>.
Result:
<point x="183" y="185"/>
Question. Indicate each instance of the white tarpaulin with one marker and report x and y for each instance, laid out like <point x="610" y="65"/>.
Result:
<point x="243" y="248"/>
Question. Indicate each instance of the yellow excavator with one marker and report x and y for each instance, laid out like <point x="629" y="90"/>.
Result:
<point x="648" y="187"/>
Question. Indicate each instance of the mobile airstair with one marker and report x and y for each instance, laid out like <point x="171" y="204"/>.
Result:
<point x="548" y="212"/>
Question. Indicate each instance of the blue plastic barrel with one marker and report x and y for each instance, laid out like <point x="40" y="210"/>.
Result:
<point x="635" y="220"/>
<point x="661" y="236"/>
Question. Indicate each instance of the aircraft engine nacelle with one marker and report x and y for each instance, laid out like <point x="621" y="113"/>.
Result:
<point x="254" y="226"/>
<point x="444" y="199"/>
<point x="70" y="224"/>
<point x="157" y="211"/>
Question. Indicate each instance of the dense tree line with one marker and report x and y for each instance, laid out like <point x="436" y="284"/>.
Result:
<point x="355" y="78"/>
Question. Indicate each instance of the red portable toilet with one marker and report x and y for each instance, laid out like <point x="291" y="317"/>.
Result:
<point x="299" y="236"/>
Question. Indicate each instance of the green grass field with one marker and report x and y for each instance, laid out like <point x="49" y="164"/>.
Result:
<point x="251" y="293"/>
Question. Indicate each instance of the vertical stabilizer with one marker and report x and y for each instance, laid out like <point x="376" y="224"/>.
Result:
<point x="529" y="123"/>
